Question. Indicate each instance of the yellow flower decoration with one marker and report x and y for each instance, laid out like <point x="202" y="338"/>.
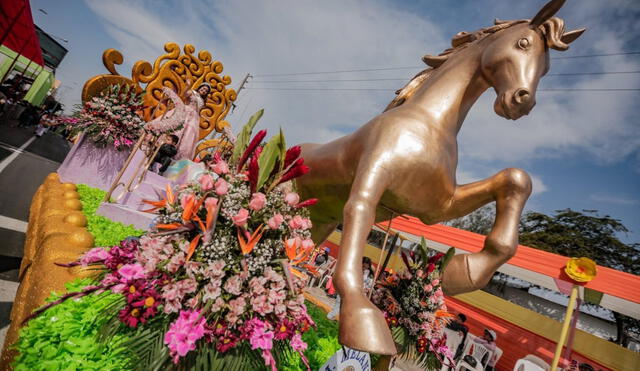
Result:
<point x="581" y="269"/>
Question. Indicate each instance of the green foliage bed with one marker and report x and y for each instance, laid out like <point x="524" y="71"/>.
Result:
<point x="66" y="337"/>
<point x="105" y="231"/>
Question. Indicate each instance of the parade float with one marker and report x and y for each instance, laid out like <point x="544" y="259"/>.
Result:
<point x="215" y="280"/>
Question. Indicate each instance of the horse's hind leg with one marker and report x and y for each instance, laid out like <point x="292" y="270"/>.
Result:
<point x="510" y="188"/>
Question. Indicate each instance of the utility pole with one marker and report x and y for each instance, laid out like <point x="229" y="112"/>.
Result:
<point x="244" y="81"/>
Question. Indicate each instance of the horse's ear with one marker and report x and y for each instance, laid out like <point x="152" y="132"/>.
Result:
<point x="571" y="36"/>
<point x="546" y="13"/>
<point x="434" y="60"/>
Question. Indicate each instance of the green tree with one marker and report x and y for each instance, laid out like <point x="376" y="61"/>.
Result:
<point x="480" y="221"/>
<point x="575" y="233"/>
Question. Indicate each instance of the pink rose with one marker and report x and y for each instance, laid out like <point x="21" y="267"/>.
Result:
<point x="222" y="187"/>
<point x="275" y="221"/>
<point x="292" y="198"/>
<point x="221" y="167"/>
<point x="257" y="201"/>
<point x="428" y="288"/>
<point x="206" y="182"/>
<point x="240" y="219"/>
<point x="297" y="222"/>
<point x="435" y="282"/>
<point x="306" y="223"/>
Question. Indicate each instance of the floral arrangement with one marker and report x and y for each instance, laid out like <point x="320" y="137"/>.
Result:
<point x="110" y="119"/>
<point x="413" y="304"/>
<point x="68" y="337"/>
<point x="215" y="280"/>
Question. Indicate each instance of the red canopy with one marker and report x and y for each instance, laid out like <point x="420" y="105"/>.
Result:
<point x="608" y="281"/>
<point x="17" y="31"/>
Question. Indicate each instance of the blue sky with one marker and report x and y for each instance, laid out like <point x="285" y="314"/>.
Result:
<point x="582" y="148"/>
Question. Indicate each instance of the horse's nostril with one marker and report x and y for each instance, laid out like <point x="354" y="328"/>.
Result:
<point x="522" y="96"/>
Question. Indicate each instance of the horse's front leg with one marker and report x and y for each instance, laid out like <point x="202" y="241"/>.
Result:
<point x="362" y="325"/>
<point x="510" y="189"/>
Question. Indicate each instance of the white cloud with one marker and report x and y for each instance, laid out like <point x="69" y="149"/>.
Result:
<point x="611" y="199"/>
<point x="296" y="36"/>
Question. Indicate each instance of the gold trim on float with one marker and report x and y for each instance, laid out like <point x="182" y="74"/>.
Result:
<point x="172" y="70"/>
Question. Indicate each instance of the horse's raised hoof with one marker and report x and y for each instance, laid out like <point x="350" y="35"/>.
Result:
<point x="363" y="327"/>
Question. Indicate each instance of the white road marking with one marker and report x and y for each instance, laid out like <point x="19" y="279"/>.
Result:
<point x="13" y="224"/>
<point x="15" y="154"/>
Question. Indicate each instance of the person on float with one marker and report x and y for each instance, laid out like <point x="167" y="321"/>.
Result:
<point x="166" y="153"/>
<point x="185" y="114"/>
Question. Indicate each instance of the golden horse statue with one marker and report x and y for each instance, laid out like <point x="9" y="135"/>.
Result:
<point x="405" y="160"/>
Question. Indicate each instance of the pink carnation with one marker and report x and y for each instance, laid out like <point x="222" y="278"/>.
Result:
<point x="234" y="285"/>
<point x="206" y="182"/>
<point x="240" y="219"/>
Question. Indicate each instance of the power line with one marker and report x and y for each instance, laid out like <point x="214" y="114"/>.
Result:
<point x="406" y="79"/>
<point x="387" y="90"/>
<point x="414" y="67"/>
<point x="595" y="55"/>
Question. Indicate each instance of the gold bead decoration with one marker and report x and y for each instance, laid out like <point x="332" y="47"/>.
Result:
<point x="76" y="219"/>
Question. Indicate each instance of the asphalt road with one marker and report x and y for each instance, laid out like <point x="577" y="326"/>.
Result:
<point x="25" y="160"/>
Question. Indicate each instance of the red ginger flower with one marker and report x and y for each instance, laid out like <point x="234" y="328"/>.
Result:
<point x="297" y="170"/>
<point x="257" y="139"/>
<point x="292" y="154"/>
<point x="254" y="169"/>
<point x="306" y="203"/>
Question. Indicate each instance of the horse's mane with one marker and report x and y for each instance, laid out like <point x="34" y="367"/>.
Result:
<point x="552" y="30"/>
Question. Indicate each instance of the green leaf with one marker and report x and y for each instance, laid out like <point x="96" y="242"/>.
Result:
<point x="423" y="251"/>
<point x="268" y="157"/>
<point x="245" y="135"/>
<point x="447" y="257"/>
<point x="283" y="151"/>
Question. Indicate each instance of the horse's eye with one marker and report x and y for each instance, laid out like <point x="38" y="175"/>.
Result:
<point x="524" y="43"/>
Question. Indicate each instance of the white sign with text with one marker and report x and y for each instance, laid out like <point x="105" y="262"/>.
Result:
<point x="346" y="359"/>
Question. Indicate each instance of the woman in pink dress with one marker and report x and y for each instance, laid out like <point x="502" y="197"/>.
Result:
<point x="183" y="120"/>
